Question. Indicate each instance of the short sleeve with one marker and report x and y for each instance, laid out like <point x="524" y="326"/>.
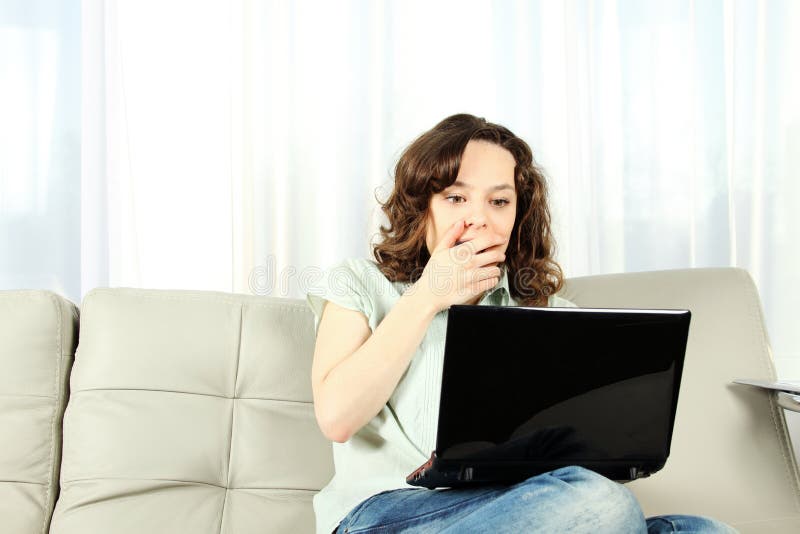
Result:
<point x="346" y="284"/>
<point x="559" y="302"/>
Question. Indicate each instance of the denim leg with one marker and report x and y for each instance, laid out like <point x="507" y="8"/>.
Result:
<point x="571" y="499"/>
<point x="416" y="510"/>
<point x="667" y="524"/>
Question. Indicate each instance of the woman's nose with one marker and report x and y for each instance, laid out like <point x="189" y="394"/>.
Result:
<point x="478" y="221"/>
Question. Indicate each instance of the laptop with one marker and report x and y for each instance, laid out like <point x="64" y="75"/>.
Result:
<point x="528" y="390"/>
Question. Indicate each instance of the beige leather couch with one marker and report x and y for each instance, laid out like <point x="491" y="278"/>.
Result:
<point x="189" y="411"/>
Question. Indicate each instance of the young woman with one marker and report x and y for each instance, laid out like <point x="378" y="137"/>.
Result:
<point x="469" y="223"/>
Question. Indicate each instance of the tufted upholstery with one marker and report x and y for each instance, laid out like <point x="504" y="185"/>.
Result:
<point x="38" y="334"/>
<point x="191" y="412"/>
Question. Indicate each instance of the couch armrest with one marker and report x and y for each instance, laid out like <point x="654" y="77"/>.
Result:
<point x="789" y="401"/>
<point x="731" y="455"/>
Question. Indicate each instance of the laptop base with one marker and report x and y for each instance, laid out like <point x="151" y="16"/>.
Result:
<point x="437" y="473"/>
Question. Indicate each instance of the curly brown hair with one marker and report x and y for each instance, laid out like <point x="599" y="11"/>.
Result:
<point x="428" y="166"/>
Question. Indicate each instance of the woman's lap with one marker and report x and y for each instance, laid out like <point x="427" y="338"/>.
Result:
<point x="571" y="499"/>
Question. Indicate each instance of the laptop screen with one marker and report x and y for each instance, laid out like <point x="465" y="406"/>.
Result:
<point x="523" y="383"/>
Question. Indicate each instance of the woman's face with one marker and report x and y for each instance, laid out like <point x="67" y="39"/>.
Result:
<point x="483" y="194"/>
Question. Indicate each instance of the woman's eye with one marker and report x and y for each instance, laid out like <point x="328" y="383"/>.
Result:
<point x="456" y="199"/>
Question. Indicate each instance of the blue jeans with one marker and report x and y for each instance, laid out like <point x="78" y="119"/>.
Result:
<point x="571" y="499"/>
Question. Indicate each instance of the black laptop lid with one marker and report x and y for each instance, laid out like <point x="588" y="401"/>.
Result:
<point x="561" y="384"/>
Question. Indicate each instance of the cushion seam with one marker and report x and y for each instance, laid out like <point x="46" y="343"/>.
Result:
<point x="233" y="416"/>
<point x="276" y="489"/>
<point x="51" y="458"/>
<point x="267" y="399"/>
<point x="774" y="410"/>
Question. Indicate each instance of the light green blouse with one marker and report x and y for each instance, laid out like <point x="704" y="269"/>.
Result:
<point x="402" y="436"/>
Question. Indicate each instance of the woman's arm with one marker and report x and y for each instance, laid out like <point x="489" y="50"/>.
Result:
<point x="354" y="373"/>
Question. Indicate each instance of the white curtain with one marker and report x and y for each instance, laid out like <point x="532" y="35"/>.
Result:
<point x="239" y="145"/>
<point x="40" y="169"/>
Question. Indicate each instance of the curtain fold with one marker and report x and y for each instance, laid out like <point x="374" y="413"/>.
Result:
<point x="240" y="146"/>
<point x="40" y="129"/>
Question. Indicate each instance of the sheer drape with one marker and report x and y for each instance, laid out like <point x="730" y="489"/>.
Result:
<point x="239" y="146"/>
<point x="40" y="132"/>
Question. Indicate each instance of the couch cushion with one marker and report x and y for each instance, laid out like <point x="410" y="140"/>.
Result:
<point x="38" y="334"/>
<point x="191" y="412"/>
<point x="731" y="457"/>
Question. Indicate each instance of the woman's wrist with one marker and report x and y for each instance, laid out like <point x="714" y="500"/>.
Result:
<point x="422" y="300"/>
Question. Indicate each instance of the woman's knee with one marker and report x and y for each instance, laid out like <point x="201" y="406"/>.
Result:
<point x="605" y="505"/>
